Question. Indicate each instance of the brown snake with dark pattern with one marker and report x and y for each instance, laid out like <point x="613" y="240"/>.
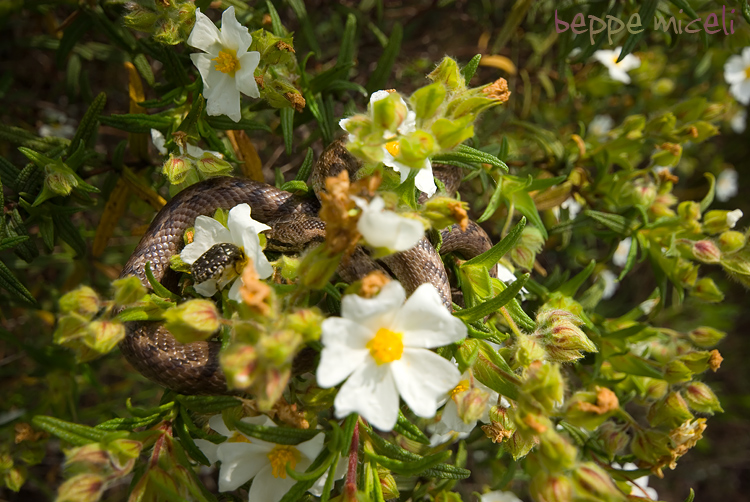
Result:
<point x="193" y="368"/>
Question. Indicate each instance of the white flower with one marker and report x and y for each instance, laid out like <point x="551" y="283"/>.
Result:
<point x="381" y="344"/>
<point x="618" y="71"/>
<point x="737" y="75"/>
<point x="450" y="420"/>
<point x="733" y="217"/>
<point x="423" y="180"/>
<point x="572" y="206"/>
<point x="610" y="283"/>
<point x="505" y="275"/>
<point x="601" y="125"/>
<point x="226" y="67"/>
<point x="159" y="141"/>
<point x="243" y="458"/>
<point x="499" y="496"/>
<point x="648" y="305"/>
<point x="58" y="125"/>
<point x="640" y="485"/>
<point x="243" y="232"/>
<point x="385" y="229"/>
<point x="726" y="185"/>
<point x="739" y="121"/>
<point x="620" y="258"/>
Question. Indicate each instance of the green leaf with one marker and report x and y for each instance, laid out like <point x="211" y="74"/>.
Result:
<point x="311" y="475"/>
<point x="470" y="69"/>
<point x="635" y="365"/>
<point x="287" y="128"/>
<point x="186" y="440"/>
<point x="298" y="6"/>
<point x="158" y="288"/>
<point x="490" y="306"/>
<point x="278" y="435"/>
<point x="69" y="232"/>
<point x="128" y="424"/>
<point x="88" y="125"/>
<point x="625" y="333"/>
<point x="411" y="467"/>
<point x="691" y="496"/>
<point x="612" y="221"/>
<point x="489" y="258"/>
<point x="543" y="183"/>
<point x="709" y="198"/>
<point x="144" y="68"/>
<point x="306" y="168"/>
<point x="632" y="255"/>
<point x="646" y="13"/>
<point x="379" y="77"/>
<point x="571" y="287"/>
<point x="189" y="124"/>
<point x="524" y="204"/>
<point x="208" y="404"/>
<point x="295" y="186"/>
<point x="746" y="14"/>
<point x="493" y="370"/>
<point x="9" y="173"/>
<point x="176" y="96"/>
<point x="70" y="38"/>
<point x="137" y="122"/>
<point x="297" y="492"/>
<point x="409" y="430"/>
<point x="224" y="123"/>
<point x="9" y="282"/>
<point x="346" y="51"/>
<point x="75" y="434"/>
<point x="493" y="204"/>
<point x="11" y="242"/>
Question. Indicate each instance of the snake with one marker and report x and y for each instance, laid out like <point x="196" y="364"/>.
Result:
<point x="193" y="368"/>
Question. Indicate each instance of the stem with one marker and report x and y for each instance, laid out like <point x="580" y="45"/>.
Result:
<point x="513" y="327"/>
<point x="508" y="220"/>
<point x="350" y="488"/>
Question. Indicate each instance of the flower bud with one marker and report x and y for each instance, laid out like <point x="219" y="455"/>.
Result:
<point x="128" y="290"/>
<point x="139" y="18"/>
<point x="91" y="458"/>
<point x="655" y="388"/>
<point x="685" y="272"/>
<point x="388" y="484"/>
<point x="389" y="112"/>
<point x="239" y="363"/>
<point x="668" y="156"/>
<point x="555" y="452"/>
<point x="712" y="111"/>
<point x="707" y="290"/>
<point x="589" y="409"/>
<point x="449" y="75"/>
<point x="193" y="320"/>
<point x="415" y="148"/>
<point x="717" y="221"/>
<point x="651" y="446"/>
<point x="103" y="336"/>
<point x="176" y="169"/>
<point x="83" y="301"/>
<point x="670" y="411"/>
<point x="59" y="181"/>
<point x="519" y="444"/>
<point x="445" y="496"/>
<point x="501" y="425"/>
<point x="706" y="251"/>
<point x="689" y="210"/>
<point x="677" y="371"/>
<point x="551" y="488"/>
<point x="706" y="336"/>
<point x="450" y="133"/>
<point x="211" y="165"/>
<point x="696" y="361"/>
<point x="731" y="241"/>
<point x="559" y="332"/>
<point x="592" y="483"/>
<point x="613" y="437"/>
<point x="528" y="247"/>
<point x="82" y="488"/>
<point x="471" y="404"/>
<point x="306" y="322"/>
<point x="642" y="193"/>
<point x="544" y="383"/>
<point x="527" y="350"/>
<point x="701" y="398"/>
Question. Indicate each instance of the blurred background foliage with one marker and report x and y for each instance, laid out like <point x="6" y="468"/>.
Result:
<point x="56" y="57"/>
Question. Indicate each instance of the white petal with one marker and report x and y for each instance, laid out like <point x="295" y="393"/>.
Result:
<point x="205" y="36"/>
<point x="619" y="75"/>
<point x="208" y="232"/>
<point x="209" y="449"/>
<point x="239" y="463"/>
<point x="205" y="66"/>
<point x="222" y="96"/>
<point x="734" y="70"/>
<point x="376" y="312"/>
<point x="388" y="229"/>
<point x="343" y="350"/>
<point x="233" y="35"/>
<point x="452" y="422"/>
<point x="425" y="322"/>
<point x="605" y="57"/>
<point x="311" y="448"/>
<point x="422" y="378"/>
<point x="206" y="288"/>
<point x="371" y="392"/>
<point x="741" y="91"/>
<point x="157" y="138"/>
<point x="620" y="258"/>
<point x="343" y="124"/>
<point x="217" y="424"/>
<point x="245" y="77"/>
<point x="378" y="95"/>
<point x="409" y="125"/>
<point x="733" y="217"/>
<point x="341" y="468"/>
<point x="424" y="180"/>
<point x="241" y="222"/>
<point x="268" y="488"/>
<point x="234" y="291"/>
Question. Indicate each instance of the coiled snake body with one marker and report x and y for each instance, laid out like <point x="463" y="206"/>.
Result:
<point x="193" y="368"/>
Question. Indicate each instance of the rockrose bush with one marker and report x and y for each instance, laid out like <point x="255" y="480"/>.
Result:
<point x="359" y="337"/>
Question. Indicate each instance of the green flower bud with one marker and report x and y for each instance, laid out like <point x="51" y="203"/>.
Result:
<point x="713" y="111"/>
<point x="633" y="126"/>
<point x="451" y="133"/>
<point x="14" y="478"/>
<point x="594" y="484"/>
<point x="589" y="409"/>
<point x="718" y="221"/>
<point x="685" y="272"/>
<point x="414" y="148"/>
<point x="519" y="444"/>
<point x="527" y="350"/>
<point x="663" y="124"/>
<point x="471" y="404"/>
<point x="501" y="425"/>
<point x="240" y="364"/>
<point x="669" y="156"/>
<point x="555" y="452"/>
<point x="731" y="241"/>
<point x="128" y="290"/>
<point x="528" y="247"/>
<point x="176" y="169"/>
<point x="280" y="348"/>
<point x="193" y="320"/>
<point x="707" y="290"/>
<point x="546" y="487"/>
<point x="82" y="488"/>
<point x="103" y="336"/>
<point x="677" y="371"/>
<point x="305" y="322"/>
<point x="91" y="457"/>
<point x="388" y="484"/>
<point x="123" y="453"/>
<point x="59" y="181"/>
<point x="168" y="32"/>
<point x="651" y="446"/>
<point x="696" y="361"/>
<point x="140" y="18"/>
<point x="706" y="251"/>
<point x="427" y="100"/>
<point x="641" y="193"/>
<point x="689" y="210"/>
<point x="663" y="86"/>
<point x="558" y="331"/>
<point x="448" y="73"/>
<point x="706" y="336"/>
<point x="211" y="165"/>
<point x="655" y="388"/>
<point x="544" y="383"/>
<point x="613" y="437"/>
<point x="701" y="398"/>
<point x="83" y="301"/>
<point x="670" y="411"/>
<point x="388" y="113"/>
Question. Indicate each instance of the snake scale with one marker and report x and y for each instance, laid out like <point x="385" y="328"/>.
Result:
<point x="193" y="368"/>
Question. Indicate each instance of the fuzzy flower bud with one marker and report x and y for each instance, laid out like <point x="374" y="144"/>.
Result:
<point x="706" y="251"/>
<point x="83" y="301"/>
<point x="592" y="483"/>
<point x="59" y="181"/>
<point x="388" y="484"/>
<point x="558" y="330"/>
<point x="546" y="487"/>
<point x="128" y="290"/>
<point x="707" y="290"/>
<point x="589" y="409"/>
<point x="689" y="211"/>
<point x="701" y="398"/>
<point x="718" y="221"/>
<point x="82" y="488"/>
<point x="731" y="241"/>
<point x="706" y="337"/>
<point x="614" y="437"/>
<point x="211" y="165"/>
<point x="449" y="75"/>
<point x="528" y="247"/>
<point x="176" y="169"/>
<point x="471" y="404"/>
<point x="555" y="452"/>
<point x="103" y="336"/>
<point x="527" y="350"/>
<point x="671" y="411"/>
<point x="193" y="320"/>
<point x="239" y="364"/>
<point x="544" y="383"/>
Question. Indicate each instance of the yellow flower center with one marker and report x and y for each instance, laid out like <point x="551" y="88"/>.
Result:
<point x="227" y="62"/>
<point x="747" y="72"/>
<point x="462" y="386"/>
<point x="386" y="346"/>
<point x="280" y="456"/>
<point x="393" y="147"/>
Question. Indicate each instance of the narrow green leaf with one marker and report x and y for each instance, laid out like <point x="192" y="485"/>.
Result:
<point x="490" y="306"/>
<point x="646" y="13"/>
<point x="379" y="77"/>
<point x="481" y="157"/>
<point x="278" y="435"/>
<point x="412" y="467"/>
<point x="224" y="123"/>
<point x="189" y="124"/>
<point x="176" y="96"/>
<point x="691" y="496"/>
<point x="75" y="434"/>
<point x="9" y="282"/>
<point x="746" y="14"/>
<point x="314" y="474"/>
<point x="493" y="204"/>
<point x="11" y="242"/>
<point x="9" y="173"/>
<point x="519" y="315"/>
<point x="612" y="221"/>
<point x="524" y="204"/>
<point x="298" y="6"/>
<point x="295" y="186"/>
<point x="306" y="168"/>
<point x="69" y="232"/>
<point x="470" y="69"/>
<point x="88" y="125"/>
<point x="186" y="440"/>
<point x="346" y="52"/>
<point x="625" y="333"/>
<point x="276" y="26"/>
<point x="489" y="258"/>
<point x="70" y="38"/>
<point x="127" y="424"/>
<point x="409" y="430"/>
<point x="144" y="68"/>
<point x="541" y="184"/>
<point x="137" y="122"/>
<point x="297" y="492"/>
<point x="287" y="128"/>
<point x="709" y="198"/>
<point x="571" y="287"/>
<point x="208" y="404"/>
<point x="635" y="365"/>
<point x="632" y="255"/>
<point x="158" y="288"/>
